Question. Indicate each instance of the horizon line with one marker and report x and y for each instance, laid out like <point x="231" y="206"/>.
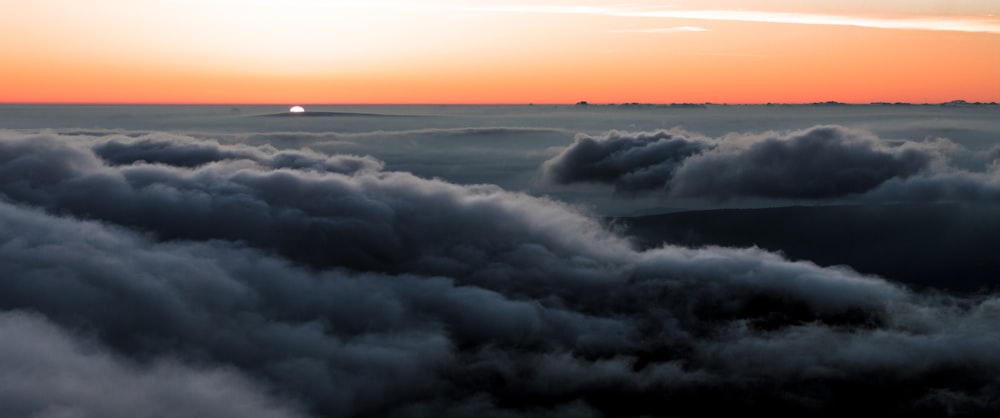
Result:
<point x="526" y="103"/>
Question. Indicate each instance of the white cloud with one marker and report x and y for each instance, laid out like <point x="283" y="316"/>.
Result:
<point x="988" y="24"/>
<point x="674" y="29"/>
<point x="961" y="24"/>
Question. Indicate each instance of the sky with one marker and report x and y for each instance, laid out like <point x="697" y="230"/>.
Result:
<point x="495" y="51"/>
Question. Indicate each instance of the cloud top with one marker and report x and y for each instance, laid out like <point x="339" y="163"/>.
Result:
<point x="630" y="161"/>
<point x="822" y="162"/>
<point x="366" y="292"/>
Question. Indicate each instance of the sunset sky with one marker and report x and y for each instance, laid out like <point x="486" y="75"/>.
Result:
<point x="496" y="51"/>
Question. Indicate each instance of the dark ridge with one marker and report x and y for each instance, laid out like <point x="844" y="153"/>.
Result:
<point x="947" y="246"/>
<point x="332" y="114"/>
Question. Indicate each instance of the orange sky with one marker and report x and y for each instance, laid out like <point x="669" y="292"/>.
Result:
<point x="562" y="51"/>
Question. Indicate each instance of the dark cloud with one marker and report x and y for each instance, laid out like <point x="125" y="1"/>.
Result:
<point x="347" y="343"/>
<point x="185" y="151"/>
<point x="49" y="372"/>
<point x="993" y="154"/>
<point x="937" y="245"/>
<point x="368" y="220"/>
<point x="952" y="185"/>
<point x="822" y="162"/>
<point x="378" y="293"/>
<point x="630" y="161"/>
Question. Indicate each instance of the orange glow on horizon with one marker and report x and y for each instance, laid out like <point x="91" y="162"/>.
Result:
<point x="462" y="55"/>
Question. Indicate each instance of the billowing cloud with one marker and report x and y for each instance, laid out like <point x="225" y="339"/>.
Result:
<point x="372" y="220"/>
<point x="938" y="245"/>
<point x="184" y="151"/>
<point x="630" y="161"/>
<point x="948" y="186"/>
<point x="378" y="293"/>
<point x="822" y="162"/>
<point x="48" y="372"/>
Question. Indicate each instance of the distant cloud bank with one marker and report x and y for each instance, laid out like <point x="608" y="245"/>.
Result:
<point x="823" y="162"/>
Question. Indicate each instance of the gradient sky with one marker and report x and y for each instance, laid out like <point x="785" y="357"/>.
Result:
<point x="494" y="51"/>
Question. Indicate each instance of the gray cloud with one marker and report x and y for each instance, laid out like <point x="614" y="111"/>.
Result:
<point x="378" y="293"/>
<point x="348" y="343"/>
<point x="822" y="162"/>
<point x="185" y="151"/>
<point x="952" y="185"/>
<point x="938" y="245"/>
<point x="368" y="220"/>
<point x="632" y="162"/>
<point x="49" y="372"/>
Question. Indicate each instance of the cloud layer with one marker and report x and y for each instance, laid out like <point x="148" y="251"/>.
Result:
<point x="823" y="162"/>
<point x="331" y="287"/>
<point x="49" y="372"/>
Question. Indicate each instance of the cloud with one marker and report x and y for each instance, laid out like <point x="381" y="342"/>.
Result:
<point x="630" y="161"/>
<point x="184" y="151"/>
<point x="937" y="245"/>
<point x="960" y="24"/>
<point x="370" y="220"/>
<point x="977" y="24"/>
<point x="348" y="343"/>
<point x="948" y="186"/>
<point x="49" y="372"/>
<point x="822" y="162"/>
<point x="378" y="293"/>
<point x="674" y="29"/>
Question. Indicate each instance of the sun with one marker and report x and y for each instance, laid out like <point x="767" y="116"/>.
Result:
<point x="296" y="109"/>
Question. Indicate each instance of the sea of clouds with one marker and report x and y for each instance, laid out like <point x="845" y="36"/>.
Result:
<point x="164" y="274"/>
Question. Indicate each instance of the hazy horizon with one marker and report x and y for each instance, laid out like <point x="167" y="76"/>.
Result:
<point x="513" y="103"/>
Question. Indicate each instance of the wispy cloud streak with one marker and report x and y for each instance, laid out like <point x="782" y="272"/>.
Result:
<point x="960" y="24"/>
<point x="675" y="29"/>
<point x="979" y="24"/>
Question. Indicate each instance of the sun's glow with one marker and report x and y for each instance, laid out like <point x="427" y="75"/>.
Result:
<point x="296" y="109"/>
<point x="498" y="51"/>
